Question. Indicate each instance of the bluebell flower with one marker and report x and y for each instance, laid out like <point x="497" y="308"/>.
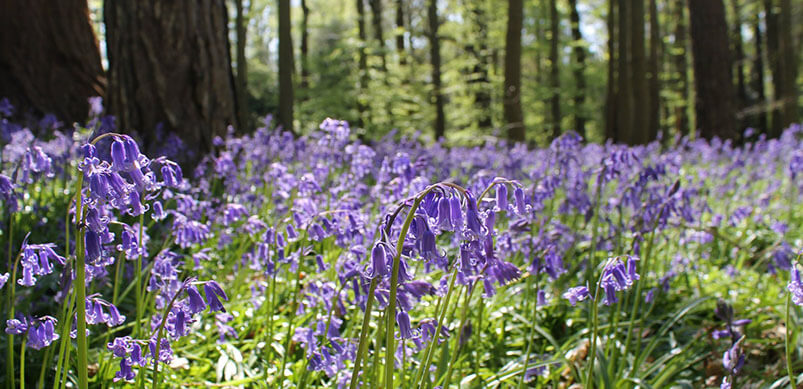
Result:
<point x="405" y="331"/>
<point x="213" y="292"/>
<point x="575" y="294"/>
<point x="196" y="302"/>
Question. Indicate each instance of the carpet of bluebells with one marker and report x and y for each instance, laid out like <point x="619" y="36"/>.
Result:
<point x="323" y="261"/>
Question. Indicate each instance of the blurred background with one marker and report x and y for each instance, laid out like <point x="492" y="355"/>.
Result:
<point x="466" y="71"/>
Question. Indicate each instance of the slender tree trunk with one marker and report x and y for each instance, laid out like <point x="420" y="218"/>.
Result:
<point x="624" y="112"/>
<point x="681" y="68"/>
<point x="715" y="104"/>
<point x="286" y="67"/>
<point x="514" y="118"/>
<point x="362" y="62"/>
<point x="400" y="28"/>
<point x="242" y="67"/>
<point x="610" y="95"/>
<point x="304" y="44"/>
<point x="788" y="64"/>
<point x="655" y="75"/>
<point x="738" y="55"/>
<point x="641" y="97"/>
<point x="376" y="13"/>
<point x="579" y="70"/>
<point x="49" y="58"/>
<point x="435" y="59"/>
<point x="773" y="58"/>
<point x="758" y="78"/>
<point x="482" y="95"/>
<point x="554" y="69"/>
<point x="170" y="68"/>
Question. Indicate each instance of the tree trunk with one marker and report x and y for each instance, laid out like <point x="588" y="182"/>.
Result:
<point x="641" y="97"/>
<point x="304" y="44"/>
<point x="435" y="59"/>
<point x="482" y="95"/>
<point x="773" y="57"/>
<point x="170" y="68"/>
<point x="579" y="70"/>
<point x="514" y="118"/>
<point x="655" y="75"/>
<point x="554" y="69"/>
<point x="788" y="65"/>
<point x="49" y="58"/>
<point x="738" y="55"/>
<point x="760" y="121"/>
<point x="242" y="67"/>
<point x="286" y="68"/>
<point x="376" y="13"/>
<point x="624" y="105"/>
<point x="400" y="31"/>
<point x="610" y="95"/>
<point x="362" y="62"/>
<point x="715" y="98"/>
<point x="681" y="67"/>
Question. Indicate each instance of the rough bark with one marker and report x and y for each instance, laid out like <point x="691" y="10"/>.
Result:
<point x="514" y="118"/>
<point x="554" y="70"/>
<point x="773" y="59"/>
<point x="170" y="68"/>
<point x="435" y="61"/>
<point x="760" y="120"/>
<point x="681" y="68"/>
<point x="624" y="104"/>
<point x="738" y="54"/>
<point x="715" y="102"/>
<point x="304" y="44"/>
<point x="788" y="64"/>
<point x="376" y="19"/>
<point x="286" y="67"/>
<point x="479" y="79"/>
<point x="579" y="71"/>
<point x="49" y="58"/>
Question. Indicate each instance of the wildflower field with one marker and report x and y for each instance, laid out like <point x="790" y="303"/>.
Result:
<point x="321" y="261"/>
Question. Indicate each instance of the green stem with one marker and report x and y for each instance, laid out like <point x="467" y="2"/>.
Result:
<point x="138" y="281"/>
<point x="787" y="342"/>
<point x="532" y="335"/>
<point x="366" y="323"/>
<point x="80" y="302"/>
<point x="10" y="303"/>
<point x="290" y="323"/>
<point x="22" y="362"/>
<point x="594" y="329"/>
<point x="439" y="325"/>
<point x="456" y="348"/>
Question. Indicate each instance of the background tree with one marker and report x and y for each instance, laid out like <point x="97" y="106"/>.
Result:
<point x="286" y="67"/>
<point x="241" y="87"/>
<point x="170" y="67"/>
<point x="49" y="58"/>
<point x="579" y="70"/>
<point x="715" y="106"/>
<point x="514" y="118"/>
<point x="554" y="69"/>
<point x="435" y="60"/>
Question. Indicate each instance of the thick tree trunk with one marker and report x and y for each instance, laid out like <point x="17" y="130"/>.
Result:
<point x="641" y="97"/>
<point x="654" y="73"/>
<point x="738" y="55"/>
<point x="242" y="67"/>
<point x="624" y="104"/>
<point x="49" y="58"/>
<point x="579" y="71"/>
<point x="362" y="62"/>
<point x="304" y="44"/>
<point x="554" y="69"/>
<point x="170" y="67"/>
<point x="774" y="60"/>
<point x="514" y="118"/>
<point x="788" y="64"/>
<point x="376" y="19"/>
<point x="715" y="105"/>
<point x="610" y="95"/>
<point x="286" y="67"/>
<point x="435" y="60"/>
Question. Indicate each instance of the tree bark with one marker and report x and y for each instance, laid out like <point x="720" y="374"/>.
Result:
<point x="788" y="65"/>
<point x="554" y="70"/>
<point x="760" y="121"/>
<point x="242" y="67"/>
<point x="641" y="112"/>
<point x="715" y="105"/>
<point x="435" y="60"/>
<point x="304" y="44"/>
<point x="286" y="68"/>
<point x="362" y="61"/>
<point x="400" y="28"/>
<point x="49" y="58"/>
<point x="579" y="71"/>
<point x="514" y="118"/>
<point x="774" y="60"/>
<point x="376" y="12"/>
<point x="479" y="79"/>
<point x="170" y="68"/>
<point x="624" y="105"/>
<point x="610" y="95"/>
<point x="654" y="73"/>
<point x="738" y="55"/>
